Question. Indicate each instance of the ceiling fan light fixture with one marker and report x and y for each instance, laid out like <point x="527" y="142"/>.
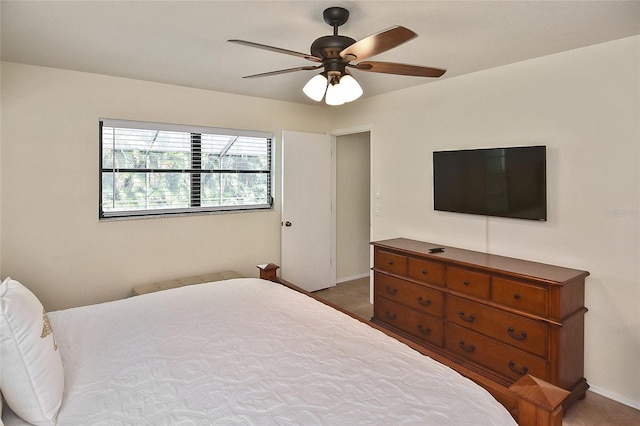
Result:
<point x="350" y="88"/>
<point x="335" y="95"/>
<point x="316" y="87"/>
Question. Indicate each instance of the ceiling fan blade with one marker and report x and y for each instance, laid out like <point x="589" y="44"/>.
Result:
<point x="377" y="43"/>
<point x="277" y="49"/>
<point x="401" y="69"/>
<point x="266" y="74"/>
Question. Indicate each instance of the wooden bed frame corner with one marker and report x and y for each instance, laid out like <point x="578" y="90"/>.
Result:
<point x="538" y="403"/>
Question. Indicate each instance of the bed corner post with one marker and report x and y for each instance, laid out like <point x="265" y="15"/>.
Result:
<point x="539" y="402"/>
<point x="268" y="271"/>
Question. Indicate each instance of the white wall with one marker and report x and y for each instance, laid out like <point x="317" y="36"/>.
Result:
<point x="582" y="104"/>
<point x="352" y="206"/>
<point x="52" y="239"/>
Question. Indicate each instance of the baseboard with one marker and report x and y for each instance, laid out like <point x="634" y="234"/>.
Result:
<point x="615" y="397"/>
<point x="354" y="277"/>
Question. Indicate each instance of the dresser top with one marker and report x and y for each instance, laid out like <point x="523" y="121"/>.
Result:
<point x="474" y="259"/>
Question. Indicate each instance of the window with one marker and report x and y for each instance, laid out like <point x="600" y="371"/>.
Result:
<point x="149" y="169"/>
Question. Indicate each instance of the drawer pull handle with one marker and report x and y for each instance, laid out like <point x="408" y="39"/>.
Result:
<point x="466" y="282"/>
<point x="522" y="371"/>
<point x="517" y="296"/>
<point x="390" y="316"/>
<point x="423" y="302"/>
<point x="424" y="272"/>
<point x="466" y="348"/>
<point x="391" y="290"/>
<point x="424" y="330"/>
<point x="391" y="263"/>
<point x="522" y="336"/>
<point x="470" y="318"/>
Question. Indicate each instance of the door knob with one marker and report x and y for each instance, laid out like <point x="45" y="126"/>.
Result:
<point x="287" y="223"/>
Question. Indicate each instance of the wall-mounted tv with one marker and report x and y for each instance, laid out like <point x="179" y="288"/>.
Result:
<point x="505" y="182"/>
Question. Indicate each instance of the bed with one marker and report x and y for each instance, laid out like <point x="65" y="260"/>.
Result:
<point x="238" y="351"/>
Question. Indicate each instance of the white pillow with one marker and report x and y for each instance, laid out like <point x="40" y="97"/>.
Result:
<point x="31" y="375"/>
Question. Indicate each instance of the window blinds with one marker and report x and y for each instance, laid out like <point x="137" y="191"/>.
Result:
<point x="156" y="169"/>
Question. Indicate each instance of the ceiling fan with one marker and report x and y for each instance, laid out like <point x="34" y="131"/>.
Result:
<point x="334" y="54"/>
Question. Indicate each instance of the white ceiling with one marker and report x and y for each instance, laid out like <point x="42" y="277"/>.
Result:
<point x="185" y="42"/>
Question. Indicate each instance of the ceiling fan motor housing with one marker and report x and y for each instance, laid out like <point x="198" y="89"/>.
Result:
<point x="329" y="47"/>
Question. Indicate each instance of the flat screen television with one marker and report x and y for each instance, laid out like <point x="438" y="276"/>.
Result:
<point x="505" y="182"/>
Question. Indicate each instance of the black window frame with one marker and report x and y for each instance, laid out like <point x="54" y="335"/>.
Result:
<point x="195" y="171"/>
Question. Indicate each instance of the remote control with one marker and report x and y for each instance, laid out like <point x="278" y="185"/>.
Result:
<point x="436" y="250"/>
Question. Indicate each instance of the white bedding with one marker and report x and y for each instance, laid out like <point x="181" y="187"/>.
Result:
<point x="248" y="351"/>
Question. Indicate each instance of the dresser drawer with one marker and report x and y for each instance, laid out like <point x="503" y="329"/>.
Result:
<point x="391" y="262"/>
<point x="412" y="295"/>
<point x="423" y="326"/>
<point x="468" y="282"/>
<point x="503" y="359"/>
<point x="425" y="271"/>
<point x="526" y="297"/>
<point x="514" y="330"/>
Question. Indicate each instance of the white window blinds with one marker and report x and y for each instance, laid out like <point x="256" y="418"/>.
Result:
<point x="158" y="169"/>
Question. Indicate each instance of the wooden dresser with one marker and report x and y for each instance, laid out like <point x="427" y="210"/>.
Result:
<point x="492" y="318"/>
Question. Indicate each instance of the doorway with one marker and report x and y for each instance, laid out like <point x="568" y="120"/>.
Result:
<point x="319" y="171"/>
<point x="352" y="205"/>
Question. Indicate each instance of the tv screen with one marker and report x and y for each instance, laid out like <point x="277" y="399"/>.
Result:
<point x="505" y="182"/>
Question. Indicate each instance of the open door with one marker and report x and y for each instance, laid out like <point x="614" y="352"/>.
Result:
<point x="307" y="229"/>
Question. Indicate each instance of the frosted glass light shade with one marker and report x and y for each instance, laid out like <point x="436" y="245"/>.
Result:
<point x="350" y="88"/>
<point x="335" y="95"/>
<point x="316" y="87"/>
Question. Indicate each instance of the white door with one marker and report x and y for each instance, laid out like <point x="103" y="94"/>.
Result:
<point x="307" y="235"/>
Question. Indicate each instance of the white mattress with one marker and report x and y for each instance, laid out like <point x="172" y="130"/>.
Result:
<point x="248" y="351"/>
